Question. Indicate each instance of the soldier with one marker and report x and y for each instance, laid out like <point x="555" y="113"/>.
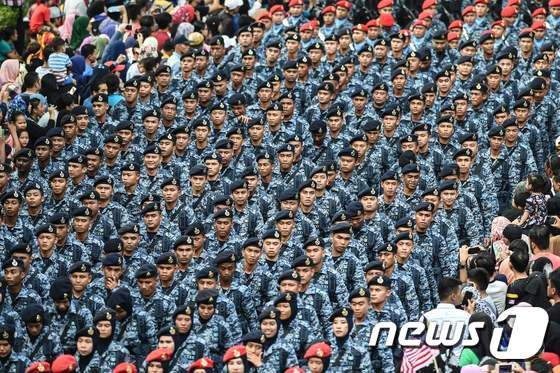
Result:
<point x="110" y="351"/>
<point x="87" y="357"/>
<point x="188" y="346"/>
<point x="19" y="295"/>
<point x="134" y="330"/>
<point x="11" y="361"/>
<point x="65" y="315"/>
<point x="346" y="353"/>
<point x="277" y="353"/>
<point x="147" y="297"/>
<point x="39" y="342"/>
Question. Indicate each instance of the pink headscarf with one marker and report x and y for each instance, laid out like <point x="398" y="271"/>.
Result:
<point x="9" y="71"/>
<point x="66" y="28"/>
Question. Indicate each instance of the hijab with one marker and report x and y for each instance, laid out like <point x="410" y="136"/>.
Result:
<point x="66" y="28"/>
<point x="9" y="71"/>
<point x="79" y="32"/>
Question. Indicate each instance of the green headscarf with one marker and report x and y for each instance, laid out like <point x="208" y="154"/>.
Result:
<point x="79" y="31"/>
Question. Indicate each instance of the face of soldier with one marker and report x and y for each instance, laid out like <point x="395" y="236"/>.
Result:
<point x="316" y="253"/>
<point x="285" y="310"/>
<point x="46" y="241"/>
<point x="340" y="327"/>
<point x="340" y="242"/>
<point x="251" y="254"/>
<point x="166" y="341"/>
<point x="157" y="367"/>
<point x="184" y="253"/>
<point x="11" y="207"/>
<point x="387" y="258"/>
<point x="80" y="280"/>
<point x="411" y="180"/>
<point x="84" y="346"/>
<point x="104" y="328"/>
<point x="271" y="248"/>
<point x="307" y="197"/>
<point x="423" y="219"/>
<point x="269" y="328"/>
<point x="235" y="366"/>
<point x="152" y="220"/>
<point x="99" y="109"/>
<point x="166" y="271"/>
<point x="464" y="164"/>
<point x="306" y="274"/>
<point x="147" y="286"/>
<point x="506" y="65"/>
<point x="389" y="187"/>
<point x="206" y="283"/>
<point x="226" y="271"/>
<point x="496" y="142"/>
<point x="285" y="227"/>
<point x="315" y="365"/>
<point x="183" y="323"/>
<point x="320" y="180"/>
<point x="445" y="130"/>
<point x="289" y="285"/>
<point x="448" y="197"/>
<point x="34" y="329"/>
<point x="359" y="307"/>
<point x="404" y="249"/>
<point x="206" y="311"/>
<point x="378" y="294"/>
<point x="190" y="105"/>
<point x="370" y="203"/>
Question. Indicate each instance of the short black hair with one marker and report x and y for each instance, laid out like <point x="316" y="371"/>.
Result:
<point x="447" y="286"/>
<point x="486" y="261"/>
<point x="480" y="277"/>
<point x="519" y="257"/>
<point x="540" y="236"/>
<point x="87" y="50"/>
<point x="538" y="182"/>
<point x="554" y="278"/>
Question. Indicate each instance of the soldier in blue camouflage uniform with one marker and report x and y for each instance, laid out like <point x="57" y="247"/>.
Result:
<point x="188" y="346"/>
<point x="277" y="353"/>
<point x="110" y="351"/>
<point x="11" y="361"/>
<point x="65" y="315"/>
<point x="40" y="342"/>
<point x="134" y="330"/>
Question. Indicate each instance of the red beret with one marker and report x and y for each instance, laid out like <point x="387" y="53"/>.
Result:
<point x="160" y="354"/>
<point x="480" y="2"/>
<point x="264" y="15"/>
<point x="419" y="22"/>
<point x="372" y="23"/>
<point x="538" y="25"/>
<point x="552" y="3"/>
<point x="320" y="350"/>
<point x="385" y="4"/>
<point x="405" y="32"/>
<point x="294" y="370"/>
<point x="386" y="20"/>
<point x="306" y="27"/>
<point x="425" y="14"/>
<point x="499" y="22"/>
<point x="234" y="352"/>
<point x="276" y="9"/>
<point x="452" y="36"/>
<point x="64" y="364"/>
<point x="508" y="11"/>
<point x="455" y="24"/>
<point x="344" y="4"/>
<point x="295" y="2"/>
<point x="468" y="9"/>
<point x="360" y="27"/>
<point x="39" y="367"/>
<point x="538" y="12"/>
<point x="202" y="363"/>
<point x="428" y="3"/>
<point x="328" y="9"/>
<point x="125" y="368"/>
<point x="513" y="3"/>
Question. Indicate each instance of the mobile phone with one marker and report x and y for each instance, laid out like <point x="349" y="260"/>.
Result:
<point x="468" y="296"/>
<point x="505" y="368"/>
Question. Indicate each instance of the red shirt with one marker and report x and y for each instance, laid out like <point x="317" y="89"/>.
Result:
<point x="39" y="17"/>
<point x="161" y="37"/>
<point x="554" y="259"/>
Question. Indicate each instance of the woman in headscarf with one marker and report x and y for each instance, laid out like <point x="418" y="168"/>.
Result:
<point x="295" y="331"/>
<point x="277" y="353"/>
<point x="79" y="32"/>
<point x="235" y="360"/>
<point x="9" y="72"/>
<point x="187" y="346"/>
<point x="346" y="356"/>
<point x="475" y="354"/>
<point x="318" y="357"/>
<point x="86" y="355"/>
<point x="110" y="352"/>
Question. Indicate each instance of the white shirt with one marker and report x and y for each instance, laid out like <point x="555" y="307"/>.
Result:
<point x="448" y="312"/>
<point x="497" y="290"/>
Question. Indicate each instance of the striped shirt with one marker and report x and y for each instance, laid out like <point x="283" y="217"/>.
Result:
<point x="58" y="66"/>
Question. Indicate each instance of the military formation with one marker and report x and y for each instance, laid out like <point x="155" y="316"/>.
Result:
<point x="272" y="201"/>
